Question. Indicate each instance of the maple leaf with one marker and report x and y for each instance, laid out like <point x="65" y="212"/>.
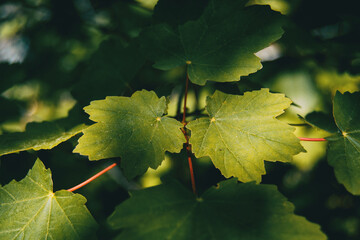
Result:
<point x="322" y="121"/>
<point x="241" y="132"/>
<point x="344" y="146"/>
<point x="219" y="46"/>
<point x="29" y="209"/>
<point x="133" y="128"/>
<point x="229" y="211"/>
<point x="44" y="135"/>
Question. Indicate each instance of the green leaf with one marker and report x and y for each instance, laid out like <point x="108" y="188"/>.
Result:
<point x="231" y="211"/>
<point x="114" y="65"/>
<point x="344" y="147"/>
<point x="241" y="132"/>
<point x="322" y="120"/>
<point x="29" y="209"/>
<point x="44" y="135"/>
<point x="133" y="128"/>
<point x="178" y="12"/>
<point x="219" y="46"/>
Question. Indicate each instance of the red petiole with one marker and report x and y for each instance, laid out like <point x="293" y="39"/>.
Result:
<point x="188" y="149"/>
<point x="187" y="145"/>
<point x="312" y="139"/>
<point x="92" y="178"/>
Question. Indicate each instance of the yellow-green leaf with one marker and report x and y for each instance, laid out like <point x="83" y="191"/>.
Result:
<point x="241" y="132"/>
<point x="29" y="209"/>
<point x="133" y="128"/>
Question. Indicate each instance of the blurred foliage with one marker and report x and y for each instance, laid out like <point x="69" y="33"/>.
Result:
<point x="57" y="56"/>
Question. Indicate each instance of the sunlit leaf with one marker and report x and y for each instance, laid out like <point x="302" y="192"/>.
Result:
<point x="29" y="209"/>
<point x="133" y="128"/>
<point x="344" y="147"/>
<point x="231" y="211"/>
<point x="241" y="132"/>
<point x="219" y="46"/>
<point x="44" y="135"/>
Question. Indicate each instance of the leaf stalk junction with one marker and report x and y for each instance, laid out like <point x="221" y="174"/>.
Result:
<point x="187" y="145"/>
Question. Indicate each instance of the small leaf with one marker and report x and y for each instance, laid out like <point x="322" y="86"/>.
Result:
<point x="219" y="46"/>
<point x="231" y="211"/>
<point x="133" y="128"/>
<point x="29" y="209"/>
<point x="344" y="147"/>
<point x="44" y="135"/>
<point x="322" y="120"/>
<point x="241" y="132"/>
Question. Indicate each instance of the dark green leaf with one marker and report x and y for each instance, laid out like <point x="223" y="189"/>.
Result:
<point x="109" y="71"/>
<point x="44" y="135"/>
<point x="178" y="12"/>
<point x="231" y="211"/>
<point x="322" y="120"/>
<point x="344" y="147"/>
<point x="219" y="46"/>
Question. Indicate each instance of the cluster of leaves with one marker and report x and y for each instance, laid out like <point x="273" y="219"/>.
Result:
<point x="210" y="43"/>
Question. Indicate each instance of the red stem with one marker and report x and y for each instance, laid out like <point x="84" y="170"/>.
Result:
<point x="312" y="139"/>
<point x="92" y="178"/>
<point x="188" y="147"/>
<point x="192" y="174"/>
<point x="185" y="100"/>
